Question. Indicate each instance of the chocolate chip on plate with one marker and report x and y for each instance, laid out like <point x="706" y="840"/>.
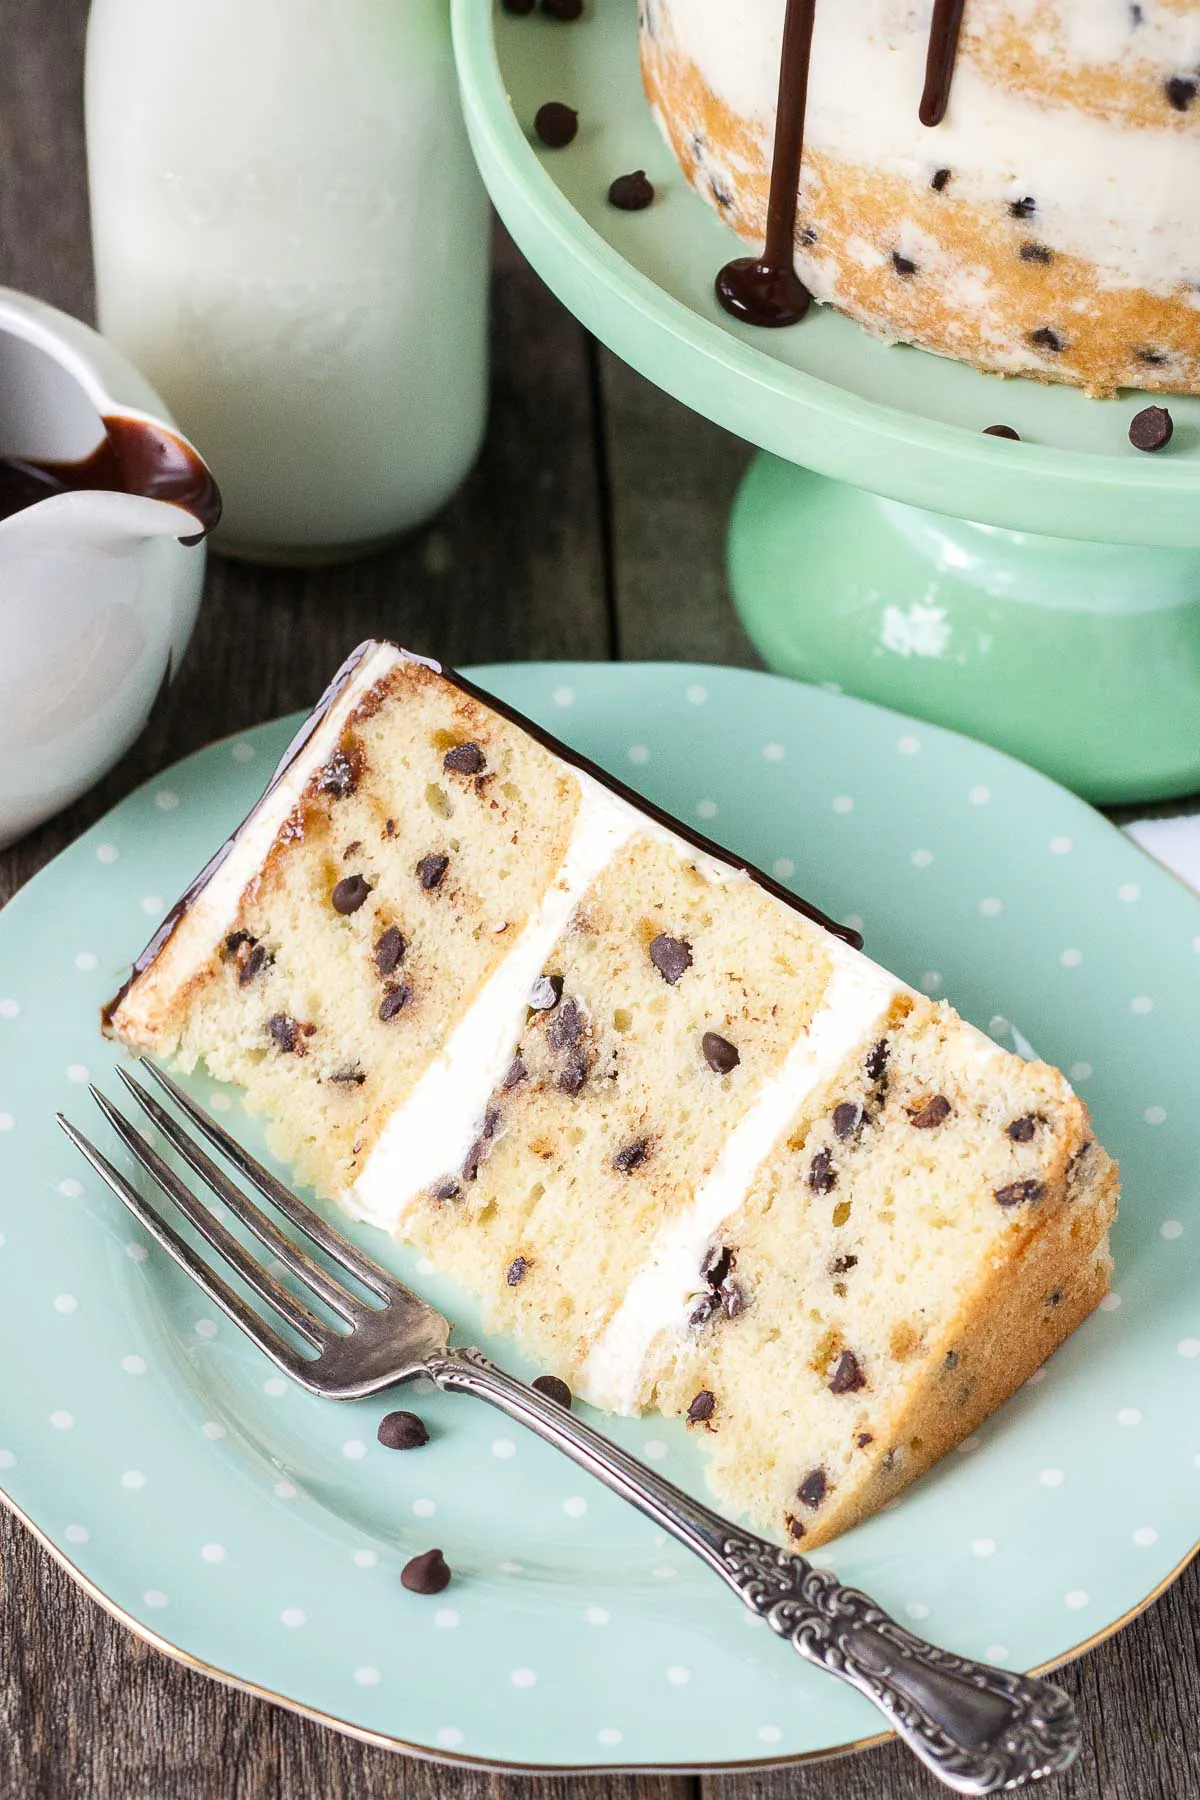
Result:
<point x="930" y="1113"/>
<point x="556" y="124"/>
<point x="1019" y="1193"/>
<point x="720" y="1055"/>
<point x="464" y="759"/>
<point x="671" y="956"/>
<point x="402" y="1431"/>
<point x="389" y="950"/>
<point x="631" y="193"/>
<point x="554" y="1389"/>
<point x="1151" y="429"/>
<point x="847" y="1377"/>
<point x="520" y="8"/>
<point x="631" y="1156"/>
<point x="565" y="11"/>
<point x="701" y="1408"/>
<point x="428" y="1573"/>
<point x="394" y="1001"/>
<point x="1002" y="431"/>
<point x="430" y="871"/>
<point x="813" y="1488"/>
<point x="349" y="894"/>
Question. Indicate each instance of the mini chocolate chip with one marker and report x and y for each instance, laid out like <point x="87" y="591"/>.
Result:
<point x="1021" y="1130"/>
<point x="720" y="1055"/>
<point x="340" y="775"/>
<point x="349" y="1075"/>
<point x="670" y="956"/>
<point x="930" y="1114"/>
<point x="812" y="1489"/>
<point x="1002" y="431"/>
<point x="556" y="124"/>
<point x="724" y="199"/>
<point x="565" y="11"/>
<point x="517" y="1073"/>
<point x="1151" y="429"/>
<point x="1180" y="91"/>
<point x="808" y="236"/>
<point x="447" y="1190"/>
<point x="716" y="1264"/>
<point x="1019" y="1193"/>
<point x="430" y="871"/>
<point x="733" y="1298"/>
<point x="402" y="1431"/>
<point x="573" y="1074"/>
<point x="847" y="1377"/>
<point x="464" y="759"/>
<point x="389" y="828"/>
<point x="426" y="1574"/>
<point x="1024" y="208"/>
<point x="848" y="1116"/>
<point x="554" y="1389"/>
<point x="1036" y="253"/>
<point x="702" y="1408"/>
<point x="394" y="1000"/>
<point x="349" y="894"/>
<point x="950" y="1361"/>
<point x="796" y="1529"/>
<point x="941" y="178"/>
<point x="351" y="850"/>
<point x="520" y="9"/>
<point x="1054" y="1297"/>
<point x="903" y="265"/>
<point x="545" y="993"/>
<point x="516" y="1271"/>
<point x="1044" y="338"/>
<point x="567" y="1027"/>
<point x="841" y="1265"/>
<point x="1153" y="358"/>
<point x="877" y="1060"/>
<point x="704" y="1309"/>
<point x="251" y="960"/>
<point x="822" y="1176"/>
<point x="864" y="1438"/>
<point x="390" y="949"/>
<point x="632" y="1156"/>
<point x="478" y="1150"/>
<point x="631" y="193"/>
<point x="288" y="1034"/>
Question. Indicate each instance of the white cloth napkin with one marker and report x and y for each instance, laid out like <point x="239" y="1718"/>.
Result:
<point x="1173" y="842"/>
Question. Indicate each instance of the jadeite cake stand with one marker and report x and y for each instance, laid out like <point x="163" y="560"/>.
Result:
<point x="1042" y="595"/>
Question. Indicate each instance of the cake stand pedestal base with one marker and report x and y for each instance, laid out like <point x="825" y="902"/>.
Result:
<point x="1081" y="658"/>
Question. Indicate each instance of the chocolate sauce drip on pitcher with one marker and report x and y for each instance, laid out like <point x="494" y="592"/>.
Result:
<point x="133" y="457"/>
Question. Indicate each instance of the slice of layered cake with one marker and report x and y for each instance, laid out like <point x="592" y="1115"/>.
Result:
<point x="694" y="1149"/>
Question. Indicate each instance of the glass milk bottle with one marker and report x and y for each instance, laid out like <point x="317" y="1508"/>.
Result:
<point x="291" y="242"/>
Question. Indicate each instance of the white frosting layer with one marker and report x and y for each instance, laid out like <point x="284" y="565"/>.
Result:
<point x="1126" y="199"/>
<point x="430" y="1133"/>
<point x="855" y="1004"/>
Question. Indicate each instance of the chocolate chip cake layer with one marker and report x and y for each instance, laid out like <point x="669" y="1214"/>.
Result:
<point x="680" y="1135"/>
<point x="1047" y="224"/>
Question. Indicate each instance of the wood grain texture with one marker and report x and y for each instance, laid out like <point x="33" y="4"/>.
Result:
<point x="592" y="525"/>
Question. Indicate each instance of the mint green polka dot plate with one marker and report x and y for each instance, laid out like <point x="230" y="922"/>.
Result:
<point x="259" y="1532"/>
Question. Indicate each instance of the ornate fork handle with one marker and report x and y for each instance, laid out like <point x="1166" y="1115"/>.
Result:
<point x="980" y="1730"/>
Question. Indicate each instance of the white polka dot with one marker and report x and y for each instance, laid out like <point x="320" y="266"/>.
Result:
<point x="212" y="1428"/>
<point x="908" y="746"/>
<point x="968" y="1445"/>
<point x="134" y="1365"/>
<point x="706" y="809"/>
<point x="152" y="904"/>
<point x="564" y="696"/>
<point x="596" y="1615"/>
<point x="66" y="1303"/>
<point x="366" y="1559"/>
<point x="1110" y="1303"/>
<point x="242" y="752"/>
<point x="293" y="1617"/>
<point x="136" y="1252"/>
<point x="1061" y="846"/>
<point x="220" y="1102"/>
<point x="1129" y="1415"/>
<point x="86" y="960"/>
<point x="446" y="1619"/>
<point x="697" y="693"/>
<point x="523" y="1678"/>
<point x="1141" y="1003"/>
<point x="1080" y="1071"/>
<point x="10" y="1009"/>
<point x="78" y="1072"/>
<point x="1144" y="1536"/>
<point x="275" y="1385"/>
<point x="284" y="1490"/>
<point x="107" y="853"/>
<point x="166" y="800"/>
<point x="655" y="1449"/>
<point x="783" y="868"/>
<point x="1076" y="1599"/>
<point x="931" y="980"/>
<point x="1129" y="890"/>
<point x="424" y="1509"/>
<point x="154" y="1597"/>
<point x="979" y="796"/>
<point x="769" y="1734"/>
<point x="983" y="1547"/>
<point x="7" y="1460"/>
<point x="366" y="1676"/>
<point x="1171" y="1228"/>
<point x="1052" y="1478"/>
<point x="70" y="1189"/>
<point x="503" y="1448"/>
<point x="639" y="753"/>
<point x="1036" y="1379"/>
<point x="1188" y="1347"/>
<point x="61" y="1419"/>
<point x="133" y="1479"/>
<point x="665" y="1572"/>
<point x="997" y="1653"/>
<point x="1071" y="959"/>
<point x="575" y="1506"/>
<point x="6" y="1121"/>
<point x="449" y="1736"/>
<point x="354" y="1449"/>
<point x="1155" y="1115"/>
<point x="206" y="1328"/>
<point x="921" y="859"/>
<point x="511" y="1568"/>
<point x="774" y="752"/>
<point x="608" y="1734"/>
<point x="213" y="1553"/>
<point x="917" y="1609"/>
<point x="842" y="803"/>
<point x="990" y="906"/>
<point x="678" y="1676"/>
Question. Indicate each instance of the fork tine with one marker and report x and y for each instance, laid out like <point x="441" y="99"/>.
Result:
<point x="223" y="1242"/>
<point x="182" y="1253"/>
<point x="323" y="1235"/>
<point x="253" y="1217"/>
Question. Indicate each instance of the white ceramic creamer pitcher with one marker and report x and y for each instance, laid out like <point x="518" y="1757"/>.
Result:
<point x="98" y="590"/>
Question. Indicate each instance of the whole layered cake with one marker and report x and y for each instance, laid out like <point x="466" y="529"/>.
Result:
<point x="688" y="1143"/>
<point x="1012" y="183"/>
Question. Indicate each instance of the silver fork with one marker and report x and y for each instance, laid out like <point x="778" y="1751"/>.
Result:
<point x="980" y="1730"/>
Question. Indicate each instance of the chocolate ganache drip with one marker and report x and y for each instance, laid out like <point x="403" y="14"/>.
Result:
<point x="944" y="31"/>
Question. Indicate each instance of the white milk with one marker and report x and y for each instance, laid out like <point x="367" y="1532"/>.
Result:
<point x="291" y="243"/>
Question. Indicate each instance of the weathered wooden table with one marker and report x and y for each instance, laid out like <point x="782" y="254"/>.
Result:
<point x="592" y="527"/>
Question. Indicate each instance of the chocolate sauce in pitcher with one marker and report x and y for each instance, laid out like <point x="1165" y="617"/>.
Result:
<point x="133" y="457"/>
